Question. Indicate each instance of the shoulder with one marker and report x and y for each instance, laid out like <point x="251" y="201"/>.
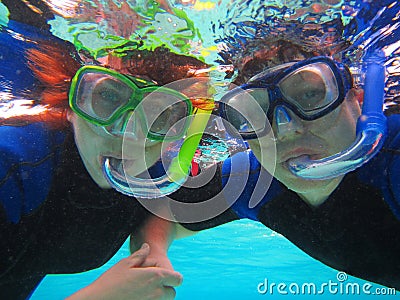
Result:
<point x="27" y="158"/>
<point x="247" y="185"/>
<point x="28" y="143"/>
<point x="383" y="171"/>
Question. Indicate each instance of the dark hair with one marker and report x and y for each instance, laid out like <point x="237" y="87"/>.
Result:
<point x="159" y="65"/>
<point x="262" y="55"/>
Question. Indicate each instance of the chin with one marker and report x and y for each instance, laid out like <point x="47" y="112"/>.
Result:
<point x="96" y="173"/>
<point x="298" y="184"/>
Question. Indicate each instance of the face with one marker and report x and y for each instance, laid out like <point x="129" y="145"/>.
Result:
<point x="95" y="144"/>
<point x="320" y="138"/>
<point x="112" y="136"/>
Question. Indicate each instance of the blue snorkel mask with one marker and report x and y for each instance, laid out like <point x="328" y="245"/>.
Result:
<point x="311" y="89"/>
<point x="370" y="133"/>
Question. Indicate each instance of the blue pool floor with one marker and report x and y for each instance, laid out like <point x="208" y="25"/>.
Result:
<point x="228" y="262"/>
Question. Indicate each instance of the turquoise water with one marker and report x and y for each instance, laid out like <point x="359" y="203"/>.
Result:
<point x="229" y="262"/>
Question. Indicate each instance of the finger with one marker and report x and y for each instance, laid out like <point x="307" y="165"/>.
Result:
<point x="170" y="278"/>
<point x="169" y="293"/>
<point x="138" y="257"/>
<point x="150" y="262"/>
<point x="158" y="262"/>
<point x="165" y="263"/>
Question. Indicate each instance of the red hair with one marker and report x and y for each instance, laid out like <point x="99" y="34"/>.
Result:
<point x="53" y="67"/>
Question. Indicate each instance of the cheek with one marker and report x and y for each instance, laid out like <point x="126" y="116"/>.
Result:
<point x="337" y="128"/>
<point x="152" y="154"/>
<point x="88" y="142"/>
<point x="265" y="151"/>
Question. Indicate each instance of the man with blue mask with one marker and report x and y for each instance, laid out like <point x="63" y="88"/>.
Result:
<point x="334" y="191"/>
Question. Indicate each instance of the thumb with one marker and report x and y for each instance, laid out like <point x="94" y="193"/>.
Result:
<point x="138" y="257"/>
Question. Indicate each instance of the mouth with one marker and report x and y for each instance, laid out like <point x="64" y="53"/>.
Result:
<point x="121" y="166"/>
<point x="116" y="164"/>
<point x="119" y="178"/>
<point x="299" y="156"/>
<point x="300" y="153"/>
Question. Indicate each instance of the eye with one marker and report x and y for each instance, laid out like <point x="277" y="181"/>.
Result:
<point x="311" y="98"/>
<point x="108" y="96"/>
<point x="163" y="112"/>
<point x="306" y="89"/>
<point x="312" y="94"/>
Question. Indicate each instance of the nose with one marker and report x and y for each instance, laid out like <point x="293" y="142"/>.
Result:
<point x="287" y="124"/>
<point x="128" y="126"/>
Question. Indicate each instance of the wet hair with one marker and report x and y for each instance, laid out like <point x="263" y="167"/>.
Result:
<point x="54" y="65"/>
<point x="54" y="68"/>
<point x="159" y="65"/>
<point x="261" y="55"/>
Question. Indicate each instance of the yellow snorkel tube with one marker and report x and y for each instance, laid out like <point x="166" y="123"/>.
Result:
<point x="180" y="166"/>
<point x="177" y="172"/>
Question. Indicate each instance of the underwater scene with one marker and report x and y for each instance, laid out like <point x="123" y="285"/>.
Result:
<point x="230" y="262"/>
<point x="208" y="57"/>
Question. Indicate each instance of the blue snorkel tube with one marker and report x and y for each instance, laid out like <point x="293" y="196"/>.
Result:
<point x="370" y="132"/>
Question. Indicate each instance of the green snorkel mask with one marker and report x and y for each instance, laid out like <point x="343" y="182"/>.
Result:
<point x="145" y="115"/>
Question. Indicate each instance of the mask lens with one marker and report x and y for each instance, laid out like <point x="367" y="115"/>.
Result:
<point x="246" y="110"/>
<point x="101" y="95"/>
<point x="163" y="111"/>
<point x="310" y="88"/>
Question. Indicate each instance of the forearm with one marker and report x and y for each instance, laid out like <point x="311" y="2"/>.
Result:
<point x="159" y="233"/>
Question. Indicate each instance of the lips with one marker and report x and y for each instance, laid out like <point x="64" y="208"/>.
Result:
<point x="121" y="166"/>
<point x="298" y="152"/>
<point x="115" y="163"/>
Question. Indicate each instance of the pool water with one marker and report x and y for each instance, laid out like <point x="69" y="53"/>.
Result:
<point x="241" y="259"/>
<point x="229" y="262"/>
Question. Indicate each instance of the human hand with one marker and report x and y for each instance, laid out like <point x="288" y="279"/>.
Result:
<point x="157" y="258"/>
<point x="129" y="279"/>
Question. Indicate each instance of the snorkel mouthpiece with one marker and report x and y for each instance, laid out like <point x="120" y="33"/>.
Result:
<point x="370" y="134"/>
<point x="175" y="176"/>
